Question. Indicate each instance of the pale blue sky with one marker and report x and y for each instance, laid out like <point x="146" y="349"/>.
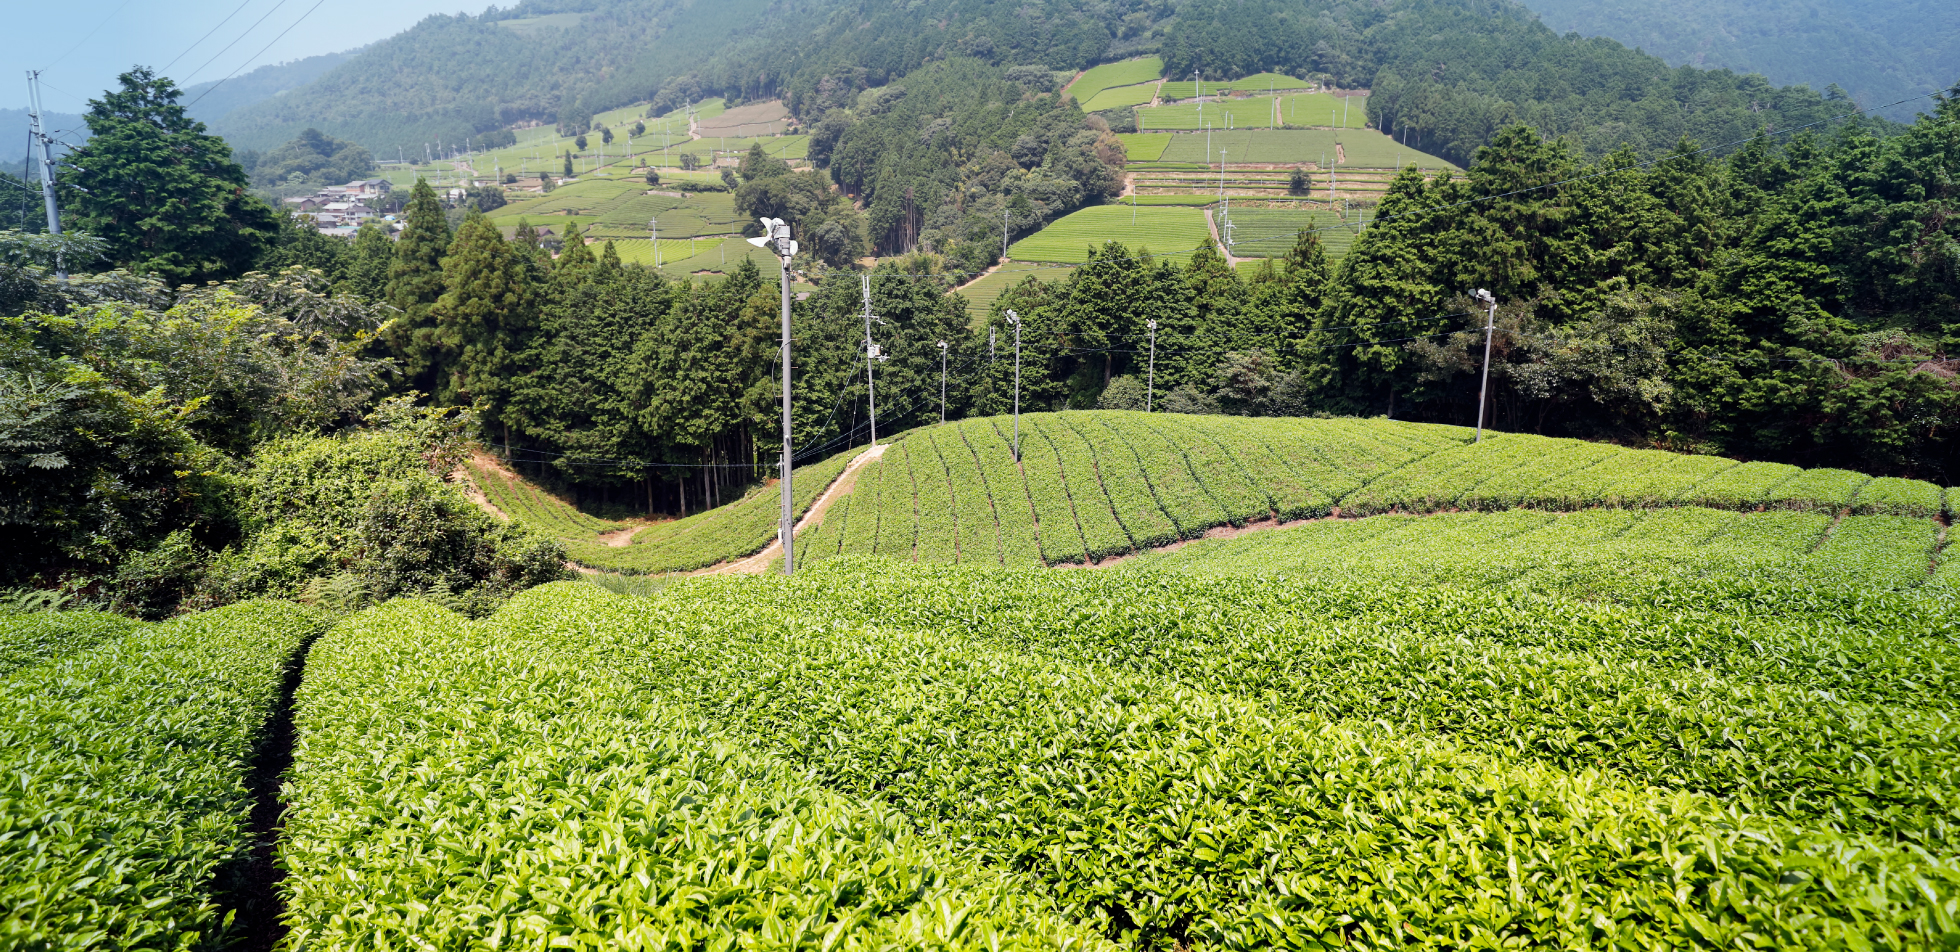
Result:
<point x="155" y="32"/>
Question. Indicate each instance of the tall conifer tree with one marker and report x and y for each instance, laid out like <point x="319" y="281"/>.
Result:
<point x="483" y="321"/>
<point x="166" y="197"/>
<point x="415" y="282"/>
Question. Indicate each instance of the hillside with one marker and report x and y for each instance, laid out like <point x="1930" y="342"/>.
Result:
<point x="1877" y="51"/>
<point x="1455" y="73"/>
<point x="721" y="534"/>
<point x="1101" y="485"/>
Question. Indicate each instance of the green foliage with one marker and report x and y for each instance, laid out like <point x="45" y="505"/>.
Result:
<point x="1104" y="483"/>
<point x="526" y="502"/>
<point x="1158" y="772"/>
<point x="523" y="731"/>
<point x="723" y="534"/>
<point x="311" y="160"/>
<point x="483" y="320"/>
<point x="415" y="283"/>
<point x="961" y="142"/>
<point x="165" y="197"/>
<point x="1449" y="77"/>
<point x="126" y="805"/>
<point x="32" y="636"/>
<point x="370" y="504"/>
<point x="1073" y="238"/>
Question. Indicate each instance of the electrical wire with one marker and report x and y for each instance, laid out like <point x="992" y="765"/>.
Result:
<point x="235" y="41"/>
<point x="89" y="35"/>
<point x="255" y="56"/>
<point x="206" y="36"/>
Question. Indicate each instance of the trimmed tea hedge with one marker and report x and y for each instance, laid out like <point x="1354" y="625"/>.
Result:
<point x="1148" y="799"/>
<point x="123" y="799"/>
<point x="37" y="636"/>
<point x="466" y="786"/>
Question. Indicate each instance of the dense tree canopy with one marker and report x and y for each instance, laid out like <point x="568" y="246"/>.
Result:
<point x="164" y="195"/>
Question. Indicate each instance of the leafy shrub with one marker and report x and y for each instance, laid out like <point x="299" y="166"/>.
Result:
<point x="125" y="806"/>
<point x="1826" y="489"/>
<point x="368" y="503"/>
<point x="32" y="637"/>
<point x="1744" y="487"/>
<point x="1153" y="799"/>
<point x="1899" y="497"/>
<point x="592" y="813"/>
<point x="1123" y="393"/>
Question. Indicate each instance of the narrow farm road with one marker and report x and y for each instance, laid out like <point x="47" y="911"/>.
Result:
<point x="759" y="562"/>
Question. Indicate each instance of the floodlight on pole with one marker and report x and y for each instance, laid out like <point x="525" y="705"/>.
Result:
<point x="1150" y="388"/>
<point x="871" y="354"/>
<point x="942" y="381"/>
<point x="1490" y="327"/>
<point x="776" y="232"/>
<point x="1015" y="319"/>
<point x="653" y="225"/>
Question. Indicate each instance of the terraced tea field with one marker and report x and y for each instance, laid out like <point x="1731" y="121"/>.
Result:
<point x="1311" y="110"/>
<point x="1363" y="148"/>
<point x="981" y="293"/>
<point x="1541" y="694"/>
<point x="1169" y="233"/>
<point x="1267" y="83"/>
<point x="1270" y="232"/>
<point x="1126" y="73"/>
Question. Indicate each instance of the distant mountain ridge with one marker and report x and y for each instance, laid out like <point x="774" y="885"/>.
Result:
<point x="1447" y="74"/>
<point x="217" y="97"/>
<point x="1878" y="51"/>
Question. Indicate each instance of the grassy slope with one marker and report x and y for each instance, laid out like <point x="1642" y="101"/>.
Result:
<point x="1112" y="75"/>
<point x="1106" y="483"/>
<point x="1168" y="232"/>
<point x="722" y="534"/>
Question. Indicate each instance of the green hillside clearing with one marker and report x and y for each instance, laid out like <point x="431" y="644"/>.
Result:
<point x="721" y="534"/>
<point x="981" y="293"/>
<point x="1166" y="232"/>
<point x="1098" y="484"/>
<point x="1364" y="148"/>
<point x="1111" y="75"/>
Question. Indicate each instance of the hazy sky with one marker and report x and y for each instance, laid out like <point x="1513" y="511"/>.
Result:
<point x="155" y="32"/>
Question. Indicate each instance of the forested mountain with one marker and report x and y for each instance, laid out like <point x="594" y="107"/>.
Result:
<point x="453" y="76"/>
<point x="1878" y="51"/>
<point x="1446" y="73"/>
<point x="214" y="98"/>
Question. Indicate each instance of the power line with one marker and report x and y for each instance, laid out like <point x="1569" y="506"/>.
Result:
<point x="201" y="39"/>
<point x="255" y="56"/>
<point x="88" y="36"/>
<point x="234" y="42"/>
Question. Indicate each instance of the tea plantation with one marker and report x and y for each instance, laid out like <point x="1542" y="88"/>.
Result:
<point x="1524" y="693"/>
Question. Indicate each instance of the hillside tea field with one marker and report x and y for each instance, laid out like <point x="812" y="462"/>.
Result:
<point x="1526" y="693"/>
<point x="875" y="754"/>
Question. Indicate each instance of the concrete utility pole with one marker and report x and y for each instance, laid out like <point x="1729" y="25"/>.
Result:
<point x="1015" y="319"/>
<point x="942" y="381"/>
<point x="653" y="225"/>
<point x="1150" y="389"/>
<point x="45" y="142"/>
<point x="774" y="231"/>
<point x="1490" y="327"/>
<point x="1004" y="209"/>
<point x="870" y="355"/>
